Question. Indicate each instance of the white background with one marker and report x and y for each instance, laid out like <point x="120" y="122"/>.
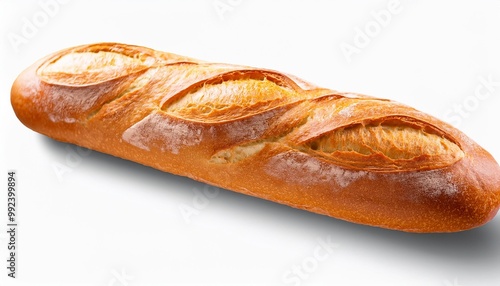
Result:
<point x="112" y="222"/>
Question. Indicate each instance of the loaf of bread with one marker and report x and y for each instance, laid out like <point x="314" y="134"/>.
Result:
<point x="263" y="133"/>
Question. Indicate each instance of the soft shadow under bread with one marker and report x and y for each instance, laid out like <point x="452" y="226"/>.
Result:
<point x="476" y="248"/>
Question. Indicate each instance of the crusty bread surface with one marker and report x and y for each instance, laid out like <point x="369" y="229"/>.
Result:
<point x="263" y="133"/>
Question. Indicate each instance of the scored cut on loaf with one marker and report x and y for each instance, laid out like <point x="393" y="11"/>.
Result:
<point x="263" y="133"/>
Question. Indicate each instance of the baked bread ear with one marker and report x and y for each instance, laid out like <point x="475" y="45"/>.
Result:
<point x="263" y="133"/>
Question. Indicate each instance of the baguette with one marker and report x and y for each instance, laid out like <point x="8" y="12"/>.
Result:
<point x="263" y="133"/>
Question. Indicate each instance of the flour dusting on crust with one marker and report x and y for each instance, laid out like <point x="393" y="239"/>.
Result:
<point x="157" y="130"/>
<point x="431" y="183"/>
<point x="303" y="169"/>
<point x="347" y="112"/>
<point x="66" y="103"/>
<point x="249" y="128"/>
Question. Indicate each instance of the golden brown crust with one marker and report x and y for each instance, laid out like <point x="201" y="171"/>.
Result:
<point x="263" y="133"/>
